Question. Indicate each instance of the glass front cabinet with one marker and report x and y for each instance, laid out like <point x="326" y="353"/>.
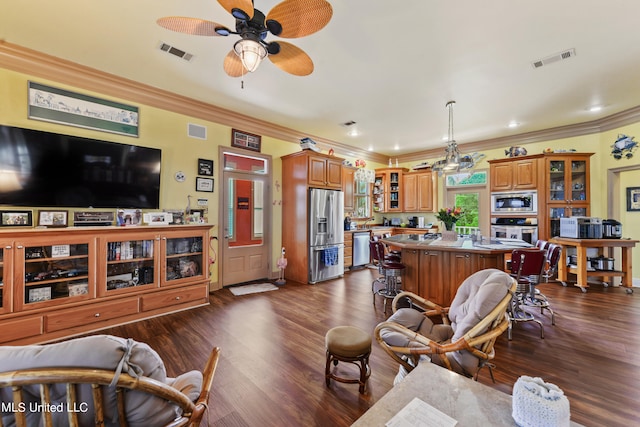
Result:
<point x="567" y="193"/>
<point x="130" y="263"/>
<point x="184" y="257"/>
<point x="6" y="259"/>
<point x="57" y="271"/>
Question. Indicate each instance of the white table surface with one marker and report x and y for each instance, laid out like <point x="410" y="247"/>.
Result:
<point x="469" y="402"/>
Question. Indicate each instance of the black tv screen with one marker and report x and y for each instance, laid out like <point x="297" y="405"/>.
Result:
<point x="43" y="169"/>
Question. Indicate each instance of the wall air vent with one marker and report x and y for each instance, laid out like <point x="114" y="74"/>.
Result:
<point x="569" y="53"/>
<point x="176" y="52"/>
<point x="196" y="131"/>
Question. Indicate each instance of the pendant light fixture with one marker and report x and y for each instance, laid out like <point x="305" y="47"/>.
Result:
<point x="453" y="160"/>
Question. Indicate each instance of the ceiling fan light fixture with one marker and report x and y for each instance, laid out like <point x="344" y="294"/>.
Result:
<point x="251" y="53"/>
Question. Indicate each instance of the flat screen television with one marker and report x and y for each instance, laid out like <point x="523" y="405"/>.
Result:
<point x="44" y="169"/>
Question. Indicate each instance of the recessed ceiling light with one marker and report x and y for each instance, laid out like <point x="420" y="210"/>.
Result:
<point x="396" y="147"/>
<point x="514" y="124"/>
<point x="595" y="108"/>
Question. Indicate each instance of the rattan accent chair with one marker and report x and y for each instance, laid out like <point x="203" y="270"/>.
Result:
<point x="85" y="396"/>
<point x="461" y="337"/>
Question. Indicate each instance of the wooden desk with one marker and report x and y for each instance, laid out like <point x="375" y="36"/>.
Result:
<point x="605" y="247"/>
<point x="469" y="402"/>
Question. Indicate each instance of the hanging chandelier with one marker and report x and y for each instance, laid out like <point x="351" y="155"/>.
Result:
<point x="453" y="160"/>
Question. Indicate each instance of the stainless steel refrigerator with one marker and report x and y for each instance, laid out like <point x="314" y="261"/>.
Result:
<point x="326" y="234"/>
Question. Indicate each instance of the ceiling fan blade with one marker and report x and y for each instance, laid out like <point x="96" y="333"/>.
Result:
<point x="233" y="65"/>
<point x="195" y="26"/>
<point x="240" y="9"/>
<point x="292" y="60"/>
<point x="300" y="18"/>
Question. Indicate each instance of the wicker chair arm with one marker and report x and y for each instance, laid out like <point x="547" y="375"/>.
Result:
<point x="201" y="403"/>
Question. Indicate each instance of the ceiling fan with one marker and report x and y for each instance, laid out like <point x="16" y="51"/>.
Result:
<point x="288" y="19"/>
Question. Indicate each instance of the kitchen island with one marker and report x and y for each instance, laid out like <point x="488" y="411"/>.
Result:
<point x="436" y="268"/>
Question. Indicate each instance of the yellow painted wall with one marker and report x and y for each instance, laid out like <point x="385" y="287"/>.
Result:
<point x="168" y="131"/>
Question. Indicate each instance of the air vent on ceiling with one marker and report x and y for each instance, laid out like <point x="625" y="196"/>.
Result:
<point x="569" y="53"/>
<point x="197" y="131"/>
<point x="176" y="52"/>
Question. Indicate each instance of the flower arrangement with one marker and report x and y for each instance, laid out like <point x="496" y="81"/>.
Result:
<point x="449" y="216"/>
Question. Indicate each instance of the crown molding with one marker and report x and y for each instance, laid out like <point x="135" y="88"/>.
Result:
<point x="31" y="62"/>
<point x="27" y="61"/>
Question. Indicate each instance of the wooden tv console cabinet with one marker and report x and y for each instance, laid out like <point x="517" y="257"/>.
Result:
<point x="60" y="282"/>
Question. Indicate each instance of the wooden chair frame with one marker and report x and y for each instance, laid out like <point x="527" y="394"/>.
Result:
<point x="72" y="377"/>
<point x="479" y="340"/>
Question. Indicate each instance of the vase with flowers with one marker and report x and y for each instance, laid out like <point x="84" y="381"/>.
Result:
<point x="449" y="216"/>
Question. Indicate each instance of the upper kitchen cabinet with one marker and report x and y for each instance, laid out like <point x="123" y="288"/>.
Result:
<point x="566" y="190"/>
<point x="388" y="191"/>
<point x="348" y="187"/>
<point x="419" y="191"/>
<point x="519" y="173"/>
<point x="323" y="171"/>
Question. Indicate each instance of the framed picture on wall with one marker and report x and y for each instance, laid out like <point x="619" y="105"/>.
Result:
<point x="204" y="184"/>
<point x="633" y="199"/>
<point x="205" y="167"/>
<point x="246" y="140"/>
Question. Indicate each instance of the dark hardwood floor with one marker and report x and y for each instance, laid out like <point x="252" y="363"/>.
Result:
<point x="271" y="371"/>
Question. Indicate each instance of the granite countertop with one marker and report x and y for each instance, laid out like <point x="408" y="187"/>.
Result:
<point x="418" y="241"/>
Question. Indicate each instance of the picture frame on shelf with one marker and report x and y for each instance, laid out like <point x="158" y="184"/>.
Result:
<point x="633" y="199"/>
<point x="205" y="167"/>
<point x="246" y="140"/>
<point x="16" y="218"/>
<point x="127" y="217"/>
<point x="204" y="184"/>
<point x="157" y="218"/>
<point x="53" y="218"/>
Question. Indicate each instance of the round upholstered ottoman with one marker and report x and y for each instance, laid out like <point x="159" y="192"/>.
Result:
<point x="348" y="344"/>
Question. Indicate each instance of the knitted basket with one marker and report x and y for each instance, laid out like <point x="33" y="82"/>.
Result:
<point x="536" y="403"/>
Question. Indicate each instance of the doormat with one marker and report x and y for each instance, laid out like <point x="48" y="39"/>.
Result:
<point x="252" y="289"/>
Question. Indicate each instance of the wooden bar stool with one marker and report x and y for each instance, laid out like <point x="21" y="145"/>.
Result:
<point x="348" y="344"/>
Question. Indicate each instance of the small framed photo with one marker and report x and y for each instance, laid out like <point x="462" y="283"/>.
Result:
<point x="205" y="167"/>
<point x="157" y="218"/>
<point x="246" y="140"/>
<point x="204" y="184"/>
<point x="126" y="217"/>
<point x="51" y="219"/>
<point x="633" y="199"/>
<point x="16" y="219"/>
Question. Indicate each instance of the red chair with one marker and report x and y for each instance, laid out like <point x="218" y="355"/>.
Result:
<point x="527" y="267"/>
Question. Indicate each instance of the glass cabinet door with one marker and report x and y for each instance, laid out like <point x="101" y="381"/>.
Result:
<point x="557" y="181"/>
<point x="56" y="272"/>
<point x="5" y="278"/>
<point x="130" y="263"/>
<point x="394" y="191"/>
<point x="184" y="258"/>
<point x="578" y="180"/>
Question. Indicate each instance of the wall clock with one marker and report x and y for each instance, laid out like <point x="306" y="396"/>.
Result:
<point x="180" y="176"/>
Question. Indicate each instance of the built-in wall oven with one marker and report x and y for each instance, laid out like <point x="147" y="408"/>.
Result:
<point x="514" y="202"/>
<point x="521" y="228"/>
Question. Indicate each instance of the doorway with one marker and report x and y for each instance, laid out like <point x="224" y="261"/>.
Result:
<point x="245" y="217"/>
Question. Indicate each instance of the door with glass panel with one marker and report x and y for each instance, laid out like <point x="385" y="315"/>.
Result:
<point x="246" y="218"/>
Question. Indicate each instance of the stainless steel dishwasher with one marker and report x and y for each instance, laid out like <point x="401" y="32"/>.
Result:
<point x="361" y="248"/>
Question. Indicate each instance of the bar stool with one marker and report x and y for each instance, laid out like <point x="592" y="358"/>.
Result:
<point x="348" y="344"/>
<point x="527" y="266"/>
<point x="389" y="284"/>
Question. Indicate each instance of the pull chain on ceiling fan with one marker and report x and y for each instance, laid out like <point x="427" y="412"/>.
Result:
<point x="289" y="19"/>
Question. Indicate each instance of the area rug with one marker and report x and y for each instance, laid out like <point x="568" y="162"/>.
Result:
<point x="252" y="289"/>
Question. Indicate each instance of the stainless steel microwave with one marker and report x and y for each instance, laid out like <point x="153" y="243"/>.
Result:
<point x="514" y="202"/>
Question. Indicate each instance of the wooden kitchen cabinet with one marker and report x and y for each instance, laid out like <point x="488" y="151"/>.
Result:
<point x="419" y="191"/>
<point x="348" y="250"/>
<point x="64" y="282"/>
<point x="388" y="185"/>
<point x="323" y="171"/>
<point x="566" y="190"/>
<point x="348" y="187"/>
<point x="515" y="173"/>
